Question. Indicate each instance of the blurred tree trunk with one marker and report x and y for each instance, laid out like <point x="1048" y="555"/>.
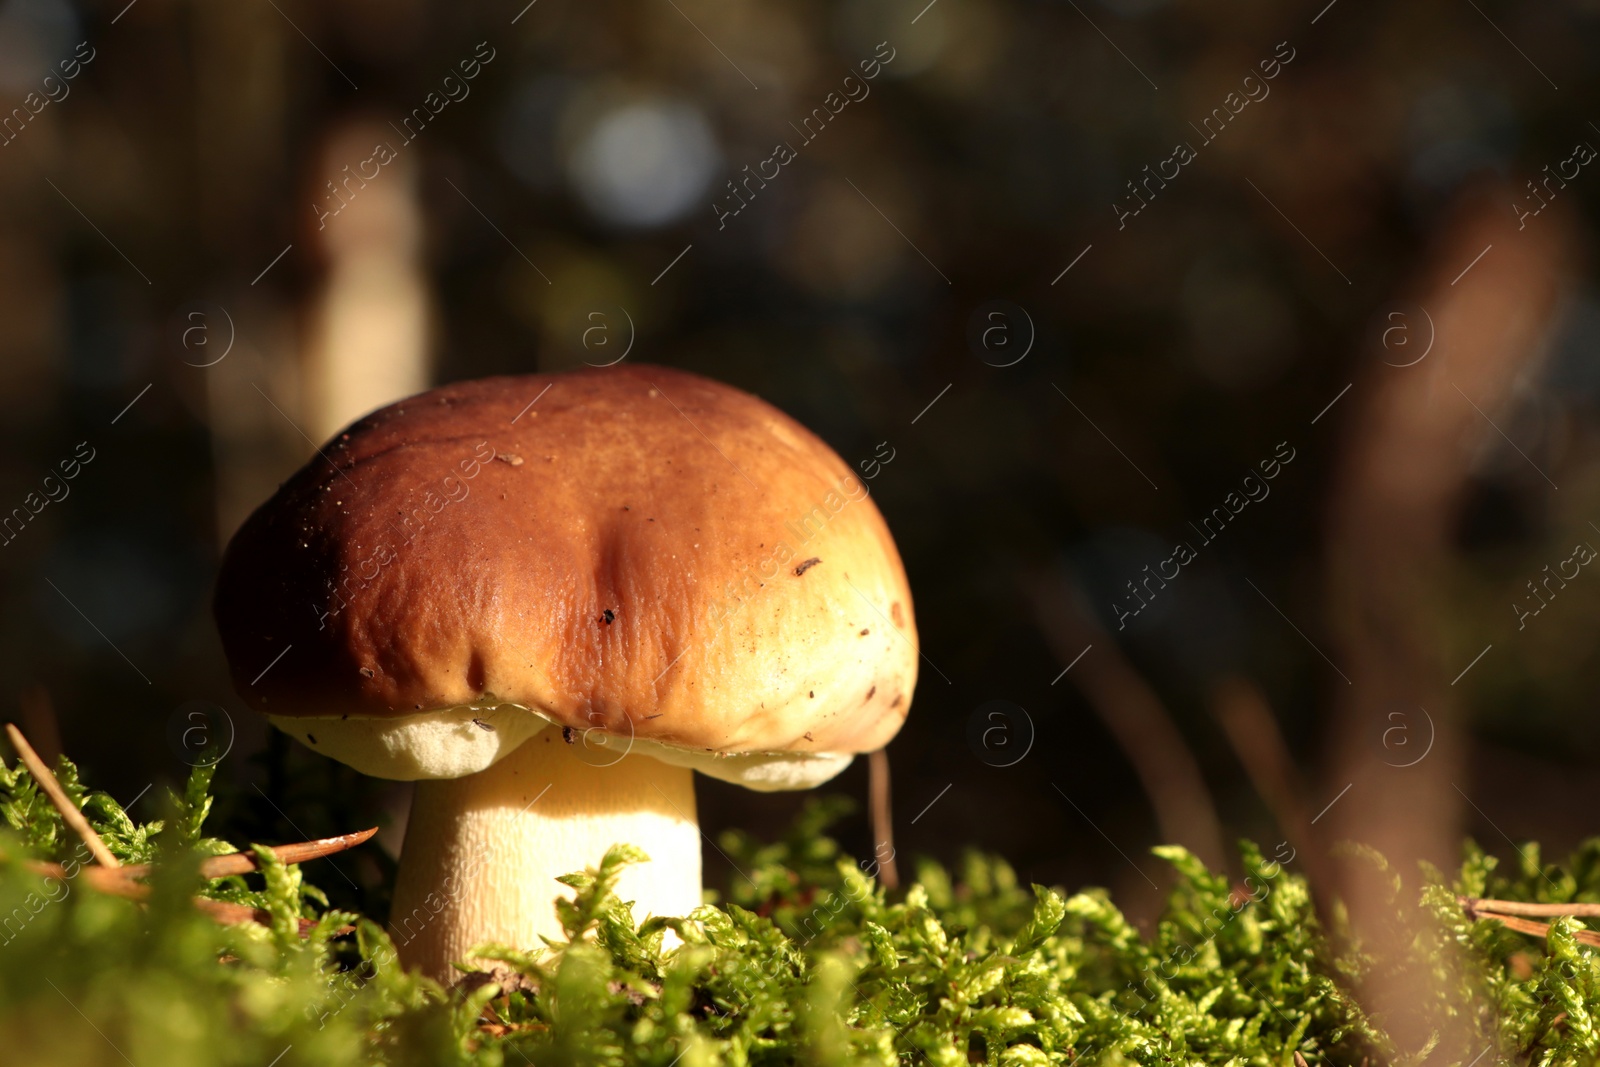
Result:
<point x="1410" y="437"/>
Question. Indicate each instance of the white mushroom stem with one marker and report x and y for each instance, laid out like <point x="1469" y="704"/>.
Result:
<point x="482" y="853"/>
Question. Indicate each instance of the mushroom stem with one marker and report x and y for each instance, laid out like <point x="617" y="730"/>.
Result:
<point x="482" y="852"/>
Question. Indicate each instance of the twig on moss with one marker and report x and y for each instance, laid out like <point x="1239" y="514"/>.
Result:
<point x="119" y="883"/>
<point x="58" y="796"/>
<point x="214" y="867"/>
<point x="1476" y="905"/>
<point x="125" y="881"/>
<point x="245" y="862"/>
<point x="1508" y="914"/>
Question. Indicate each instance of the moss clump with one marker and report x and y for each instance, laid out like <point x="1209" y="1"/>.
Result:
<point x="808" y="961"/>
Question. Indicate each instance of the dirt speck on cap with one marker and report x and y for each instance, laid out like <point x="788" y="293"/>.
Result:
<point x="807" y="565"/>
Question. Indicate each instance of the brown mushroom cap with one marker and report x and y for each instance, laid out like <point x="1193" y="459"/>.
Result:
<point x="637" y="551"/>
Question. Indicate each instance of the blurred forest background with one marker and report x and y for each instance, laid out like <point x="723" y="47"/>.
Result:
<point x="207" y="267"/>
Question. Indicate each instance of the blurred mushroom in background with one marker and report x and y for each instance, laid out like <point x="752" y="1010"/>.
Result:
<point x="368" y="334"/>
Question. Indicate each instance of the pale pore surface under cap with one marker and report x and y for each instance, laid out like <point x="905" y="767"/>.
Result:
<point x="457" y="741"/>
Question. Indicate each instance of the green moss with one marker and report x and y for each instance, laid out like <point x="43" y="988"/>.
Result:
<point x="808" y="960"/>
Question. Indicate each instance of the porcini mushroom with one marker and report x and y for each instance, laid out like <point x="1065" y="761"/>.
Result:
<point x="549" y="600"/>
